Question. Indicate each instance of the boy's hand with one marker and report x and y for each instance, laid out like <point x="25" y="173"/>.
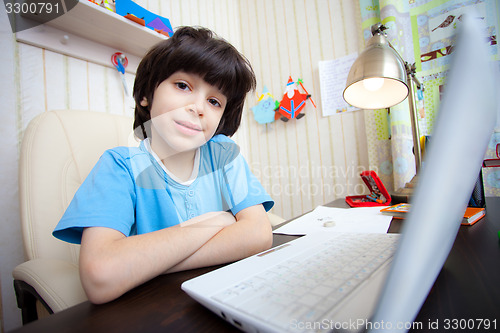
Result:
<point x="211" y="219"/>
<point x="250" y="235"/>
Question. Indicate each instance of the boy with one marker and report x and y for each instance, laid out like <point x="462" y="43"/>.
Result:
<point x="185" y="198"/>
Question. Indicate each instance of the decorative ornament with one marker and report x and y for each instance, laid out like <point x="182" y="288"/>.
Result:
<point x="264" y="112"/>
<point x="293" y="101"/>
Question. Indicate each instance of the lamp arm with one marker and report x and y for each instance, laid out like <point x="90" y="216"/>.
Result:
<point x="411" y="70"/>
<point x="419" y="85"/>
<point x="410" y="79"/>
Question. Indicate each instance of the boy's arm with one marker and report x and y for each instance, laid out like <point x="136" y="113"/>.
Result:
<point x="111" y="263"/>
<point x="251" y="234"/>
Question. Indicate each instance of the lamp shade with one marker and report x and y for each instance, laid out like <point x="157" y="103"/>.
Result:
<point x="377" y="78"/>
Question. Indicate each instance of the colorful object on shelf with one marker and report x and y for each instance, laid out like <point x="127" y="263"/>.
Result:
<point x="120" y="61"/>
<point x="136" y="13"/>
<point x="264" y="112"/>
<point x="108" y="4"/>
<point x="293" y="102"/>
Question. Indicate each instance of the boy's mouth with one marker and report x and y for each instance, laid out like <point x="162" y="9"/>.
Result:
<point x="187" y="127"/>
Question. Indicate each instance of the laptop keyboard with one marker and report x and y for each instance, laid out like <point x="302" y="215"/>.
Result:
<point x="308" y="286"/>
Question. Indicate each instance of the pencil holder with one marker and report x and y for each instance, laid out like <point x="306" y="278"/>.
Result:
<point x="378" y="194"/>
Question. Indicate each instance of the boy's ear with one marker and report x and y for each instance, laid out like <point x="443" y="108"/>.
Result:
<point x="144" y="102"/>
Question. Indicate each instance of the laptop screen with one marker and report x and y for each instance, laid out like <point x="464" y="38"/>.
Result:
<point x="464" y="126"/>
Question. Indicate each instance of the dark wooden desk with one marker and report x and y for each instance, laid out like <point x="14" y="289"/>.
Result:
<point x="468" y="287"/>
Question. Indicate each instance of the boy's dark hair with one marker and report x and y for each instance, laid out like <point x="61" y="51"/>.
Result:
<point x="196" y="51"/>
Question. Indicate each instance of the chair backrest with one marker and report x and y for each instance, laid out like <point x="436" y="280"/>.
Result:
<point x="58" y="151"/>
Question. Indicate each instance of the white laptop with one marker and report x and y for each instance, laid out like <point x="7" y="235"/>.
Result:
<point x="367" y="281"/>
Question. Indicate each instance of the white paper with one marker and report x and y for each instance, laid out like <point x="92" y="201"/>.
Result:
<point x="333" y="77"/>
<point x="358" y="220"/>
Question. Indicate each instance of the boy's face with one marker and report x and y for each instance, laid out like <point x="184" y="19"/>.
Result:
<point x="185" y="113"/>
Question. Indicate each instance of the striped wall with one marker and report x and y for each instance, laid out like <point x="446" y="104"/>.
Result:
<point x="307" y="162"/>
<point x="302" y="163"/>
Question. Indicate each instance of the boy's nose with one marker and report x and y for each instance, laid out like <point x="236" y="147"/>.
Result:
<point x="195" y="108"/>
<point x="197" y="105"/>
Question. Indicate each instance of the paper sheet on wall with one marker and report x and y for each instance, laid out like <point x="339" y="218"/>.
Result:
<point x="358" y="220"/>
<point x="333" y="76"/>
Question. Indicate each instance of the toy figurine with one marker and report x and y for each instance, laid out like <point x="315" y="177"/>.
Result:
<point x="293" y="102"/>
<point x="264" y="112"/>
<point x="136" y="13"/>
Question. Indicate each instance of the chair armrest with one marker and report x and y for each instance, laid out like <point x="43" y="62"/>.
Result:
<point x="57" y="282"/>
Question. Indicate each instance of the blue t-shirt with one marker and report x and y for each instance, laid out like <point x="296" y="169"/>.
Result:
<point x="127" y="190"/>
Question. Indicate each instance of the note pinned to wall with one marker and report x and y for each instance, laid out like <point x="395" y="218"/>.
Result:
<point x="333" y="76"/>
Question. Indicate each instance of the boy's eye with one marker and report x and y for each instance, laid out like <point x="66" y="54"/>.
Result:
<point x="214" y="102"/>
<point x="182" y="86"/>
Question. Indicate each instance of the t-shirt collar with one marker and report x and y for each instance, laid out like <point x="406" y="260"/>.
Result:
<point x="196" y="164"/>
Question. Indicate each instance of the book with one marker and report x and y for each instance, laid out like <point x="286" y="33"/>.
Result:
<point x="491" y="162"/>
<point x="399" y="211"/>
<point x="472" y="215"/>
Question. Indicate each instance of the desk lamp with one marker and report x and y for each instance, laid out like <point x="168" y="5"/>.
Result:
<point x="380" y="78"/>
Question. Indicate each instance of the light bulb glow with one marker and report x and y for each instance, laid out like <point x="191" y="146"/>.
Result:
<point x="373" y="84"/>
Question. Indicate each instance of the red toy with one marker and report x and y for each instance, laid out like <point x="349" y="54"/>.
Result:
<point x="292" y="103"/>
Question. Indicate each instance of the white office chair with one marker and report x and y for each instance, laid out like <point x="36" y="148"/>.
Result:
<point x="58" y="151"/>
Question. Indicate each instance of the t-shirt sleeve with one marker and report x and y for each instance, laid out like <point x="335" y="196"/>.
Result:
<point x="105" y="199"/>
<point x="242" y="188"/>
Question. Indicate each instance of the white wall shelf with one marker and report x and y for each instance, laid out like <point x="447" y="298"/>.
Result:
<point x="93" y="33"/>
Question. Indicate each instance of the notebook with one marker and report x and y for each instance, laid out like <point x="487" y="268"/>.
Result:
<point x="389" y="297"/>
